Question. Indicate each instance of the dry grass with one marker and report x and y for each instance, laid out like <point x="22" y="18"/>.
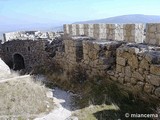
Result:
<point x="5" y="75"/>
<point x="23" y="97"/>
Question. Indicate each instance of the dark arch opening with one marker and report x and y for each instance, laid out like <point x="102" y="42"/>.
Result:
<point x="18" y="62"/>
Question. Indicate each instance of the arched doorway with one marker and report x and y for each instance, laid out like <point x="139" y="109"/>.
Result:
<point x="18" y="62"/>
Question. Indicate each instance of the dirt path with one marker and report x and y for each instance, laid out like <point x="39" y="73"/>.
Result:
<point x="14" y="78"/>
<point x="62" y="111"/>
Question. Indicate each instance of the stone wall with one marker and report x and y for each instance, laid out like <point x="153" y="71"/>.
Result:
<point x="136" y="66"/>
<point x="133" y="65"/>
<point x="33" y="52"/>
<point x="120" y="32"/>
<point x="99" y="56"/>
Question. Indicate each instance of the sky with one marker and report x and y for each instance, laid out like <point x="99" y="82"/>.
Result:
<point x="58" y="12"/>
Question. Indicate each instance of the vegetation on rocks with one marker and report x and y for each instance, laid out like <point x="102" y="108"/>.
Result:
<point x="99" y="91"/>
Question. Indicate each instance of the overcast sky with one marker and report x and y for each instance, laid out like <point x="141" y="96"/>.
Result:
<point x="65" y="11"/>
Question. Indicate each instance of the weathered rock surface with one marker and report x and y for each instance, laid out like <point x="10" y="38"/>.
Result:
<point x="4" y="69"/>
<point x="157" y="92"/>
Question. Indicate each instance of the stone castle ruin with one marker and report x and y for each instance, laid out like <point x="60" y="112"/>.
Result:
<point x="125" y="53"/>
<point x="29" y="35"/>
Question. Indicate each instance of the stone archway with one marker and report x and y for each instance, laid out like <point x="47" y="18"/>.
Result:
<point x="18" y="62"/>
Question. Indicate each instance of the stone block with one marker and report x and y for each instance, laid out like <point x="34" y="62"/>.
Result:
<point x="139" y="86"/>
<point x="158" y="36"/>
<point x="113" y="78"/>
<point x="153" y="33"/>
<point x="154" y="79"/>
<point x="126" y="55"/>
<point x="138" y="76"/>
<point x="85" y="51"/>
<point x="133" y="81"/>
<point x="119" y="68"/>
<point x="97" y="46"/>
<point x="141" y="71"/>
<point x="144" y="64"/>
<point x="121" y="61"/>
<point x="133" y="61"/>
<point x="66" y="29"/>
<point x="157" y="92"/>
<point x="152" y="28"/>
<point x="128" y="85"/>
<point x="127" y="79"/>
<point x="108" y="54"/>
<point x="121" y="80"/>
<point x="121" y="75"/>
<point x="110" y="72"/>
<point x="148" y="88"/>
<point x="155" y="69"/>
<point x="119" y="52"/>
<point x="134" y="50"/>
<point x="128" y="71"/>
<point x="153" y="41"/>
<point x="134" y="32"/>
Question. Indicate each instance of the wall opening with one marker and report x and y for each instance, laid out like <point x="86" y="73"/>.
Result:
<point x="29" y="49"/>
<point x="18" y="62"/>
<point x="7" y="49"/>
<point x="79" y="51"/>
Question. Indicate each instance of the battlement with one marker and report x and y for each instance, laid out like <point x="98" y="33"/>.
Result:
<point x="138" y="33"/>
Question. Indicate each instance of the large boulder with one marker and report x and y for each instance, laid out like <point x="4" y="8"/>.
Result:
<point x="4" y="69"/>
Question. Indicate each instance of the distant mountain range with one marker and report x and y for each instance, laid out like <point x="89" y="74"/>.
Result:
<point x="134" y="18"/>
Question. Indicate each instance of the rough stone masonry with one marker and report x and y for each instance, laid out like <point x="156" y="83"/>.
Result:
<point x="126" y="53"/>
<point x="122" y="52"/>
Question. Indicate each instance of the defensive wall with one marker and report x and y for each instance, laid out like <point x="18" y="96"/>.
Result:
<point x="128" y="54"/>
<point x="136" y="66"/>
<point x="138" y="33"/>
